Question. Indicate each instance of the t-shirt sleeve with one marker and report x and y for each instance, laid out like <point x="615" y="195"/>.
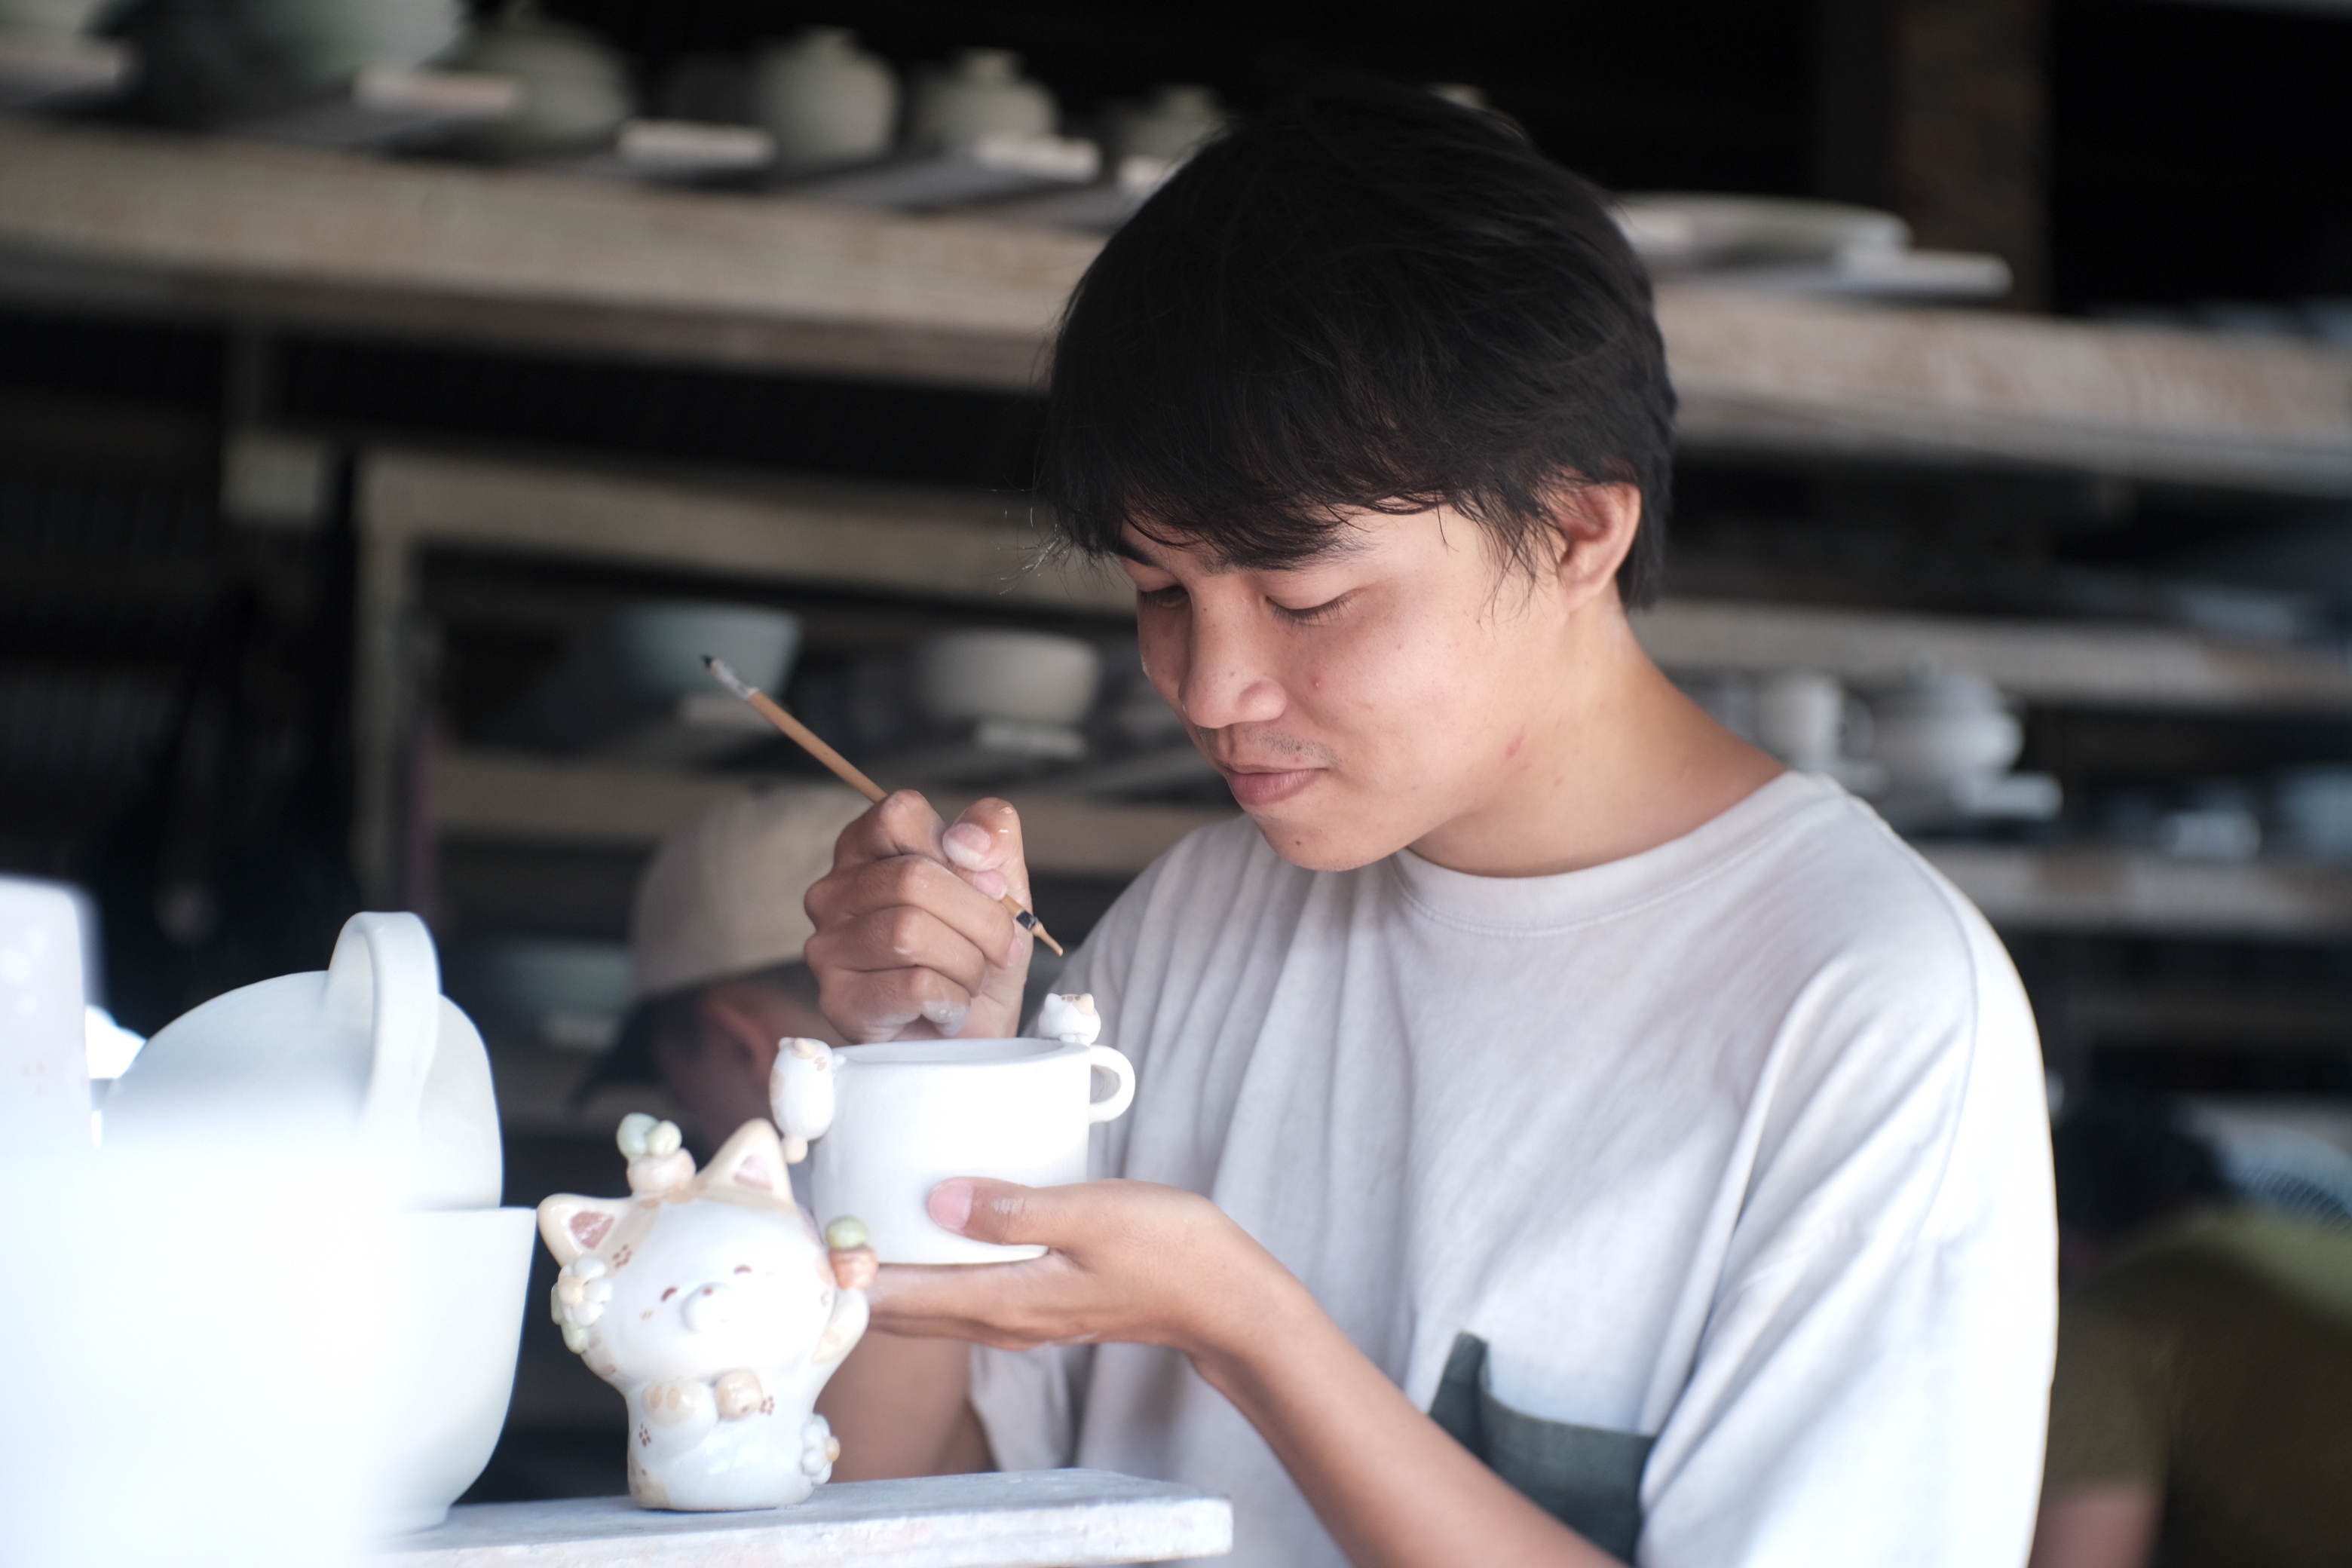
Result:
<point x="1872" y="1380"/>
<point x="2106" y="1401"/>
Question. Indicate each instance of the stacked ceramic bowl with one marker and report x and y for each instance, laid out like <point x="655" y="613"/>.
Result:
<point x="370" y="1059"/>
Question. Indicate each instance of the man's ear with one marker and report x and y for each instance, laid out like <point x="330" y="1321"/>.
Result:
<point x="1595" y="525"/>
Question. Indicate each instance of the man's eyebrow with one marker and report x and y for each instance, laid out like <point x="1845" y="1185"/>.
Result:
<point x="1338" y="546"/>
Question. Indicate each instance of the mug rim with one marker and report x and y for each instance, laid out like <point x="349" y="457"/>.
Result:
<point x="1010" y="1051"/>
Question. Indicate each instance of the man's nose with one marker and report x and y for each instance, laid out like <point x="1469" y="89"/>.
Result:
<point x="1225" y="679"/>
<point x="710" y="1307"/>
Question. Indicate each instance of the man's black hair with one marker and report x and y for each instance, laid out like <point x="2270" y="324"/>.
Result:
<point x="1369" y="298"/>
<point x="2125" y="1161"/>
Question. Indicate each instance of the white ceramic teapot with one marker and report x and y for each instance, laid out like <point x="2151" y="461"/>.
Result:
<point x="692" y="1295"/>
<point x="824" y="99"/>
<point x="369" y="1044"/>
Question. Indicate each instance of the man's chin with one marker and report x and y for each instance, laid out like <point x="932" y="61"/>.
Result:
<point x="1315" y="845"/>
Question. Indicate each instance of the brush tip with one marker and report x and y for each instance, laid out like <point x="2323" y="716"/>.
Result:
<point x="709" y="662"/>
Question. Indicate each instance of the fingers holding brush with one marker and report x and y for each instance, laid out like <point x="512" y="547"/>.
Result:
<point x="908" y="943"/>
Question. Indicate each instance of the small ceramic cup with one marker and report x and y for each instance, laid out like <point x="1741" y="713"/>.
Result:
<point x="892" y="1122"/>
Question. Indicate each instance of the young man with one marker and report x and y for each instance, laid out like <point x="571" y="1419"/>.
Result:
<point x="1561" y="1132"/>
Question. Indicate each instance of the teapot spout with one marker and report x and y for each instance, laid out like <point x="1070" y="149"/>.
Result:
<point x="801" y="1093"/>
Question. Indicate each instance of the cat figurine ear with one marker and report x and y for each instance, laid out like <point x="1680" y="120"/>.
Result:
<point x="573" y="1228"/>
<point x="751" y="1163"/>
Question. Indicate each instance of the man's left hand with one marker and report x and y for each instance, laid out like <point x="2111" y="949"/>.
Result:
<point x="1131" y="1262"/>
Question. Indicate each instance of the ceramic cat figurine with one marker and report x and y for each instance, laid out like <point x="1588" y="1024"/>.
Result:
<point x="709" y="1301"/>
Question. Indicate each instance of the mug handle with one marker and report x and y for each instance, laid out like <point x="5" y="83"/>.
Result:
<point x="391" y="955"/>
<point x="1107" y="1061"/>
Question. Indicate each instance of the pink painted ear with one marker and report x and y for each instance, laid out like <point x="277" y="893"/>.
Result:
<point x="753" y="1160"/>
<point x="574" y="1226"/>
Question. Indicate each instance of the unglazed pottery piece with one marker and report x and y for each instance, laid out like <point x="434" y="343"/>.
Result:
<point x="368" y="1048"/>
<point x="710" y="1301"/>
<point x="891" y="1121"/>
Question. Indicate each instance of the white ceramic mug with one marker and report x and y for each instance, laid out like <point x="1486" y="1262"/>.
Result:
<point x="891" y="1121"/>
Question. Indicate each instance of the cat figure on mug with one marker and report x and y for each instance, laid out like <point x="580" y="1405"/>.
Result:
<point x="710" y="1301"/>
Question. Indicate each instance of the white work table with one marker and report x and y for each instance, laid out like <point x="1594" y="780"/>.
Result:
<point x="1033" y="1519"/>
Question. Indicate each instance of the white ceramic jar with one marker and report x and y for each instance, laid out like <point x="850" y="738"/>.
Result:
<point x="824" y="99"/>
<point x="983" y="93"/>
<point x="575" y="89"/>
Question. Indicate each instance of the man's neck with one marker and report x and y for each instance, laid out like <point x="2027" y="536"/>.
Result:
<point x="1621" y="762"/>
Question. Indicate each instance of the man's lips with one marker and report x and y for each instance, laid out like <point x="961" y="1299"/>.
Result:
<point x="1257" y="788"/>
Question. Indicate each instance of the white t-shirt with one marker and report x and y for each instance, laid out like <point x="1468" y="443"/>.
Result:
<point x="1740" y="1144"/>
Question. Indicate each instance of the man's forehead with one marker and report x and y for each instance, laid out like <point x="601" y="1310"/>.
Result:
<point x="1221" y="557"/>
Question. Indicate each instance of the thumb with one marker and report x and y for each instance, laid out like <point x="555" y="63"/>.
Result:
<point x="1005" y="1213"/>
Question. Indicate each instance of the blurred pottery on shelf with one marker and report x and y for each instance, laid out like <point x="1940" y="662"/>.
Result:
<point x="367" y="1046"/>
<point x="571" y="993"/>
<point x="1801" y="717"/>
<point x="575" y="89"/>
<point x="824" y="99"/>
<point x="1176" y="120"/>
<point x="2313" y="809"/>
<point x="1687" y="230"/>
<point x="1032" y="678"/>
<point x="326" y="41"/>
<point x="660" y="647"/>
<point x="982" y="94"/>
<point x="1942" y="731"/>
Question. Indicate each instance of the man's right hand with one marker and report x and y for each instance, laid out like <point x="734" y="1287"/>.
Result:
<point x="911" y="940"/>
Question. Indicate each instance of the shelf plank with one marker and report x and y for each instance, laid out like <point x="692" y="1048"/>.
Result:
<point x="929" y="544"/>
<point x="1782" y="375"/>
<point x="2096" y="890"/>
<point x="508" y="795"/>
<point x="2056" y="662"/>
<point x="263" y="235"/>
<point x="277" y="235"/>
<point x="1033" y="1519"/>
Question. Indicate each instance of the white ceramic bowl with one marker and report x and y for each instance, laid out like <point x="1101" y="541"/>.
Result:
<point x="1944" y="730"/>
<point x="463" y="1277"/>
<point x="1035" y="678"/>
<point x="661" y="646"/>
<point x="327" y="39"/>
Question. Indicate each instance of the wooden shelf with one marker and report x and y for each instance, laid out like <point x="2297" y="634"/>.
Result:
<point x="2124" y="892"/>
<point x="934" y="544"/>
<point x="948" y="545"/>
<point x="1035" y="1519"/>
<point x="515" y="796"/>
<point x="2067" y="663"/>
<point x="272" y="236"/>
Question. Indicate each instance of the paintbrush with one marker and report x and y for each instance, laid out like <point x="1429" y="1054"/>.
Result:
<point x="844" y="770"/>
